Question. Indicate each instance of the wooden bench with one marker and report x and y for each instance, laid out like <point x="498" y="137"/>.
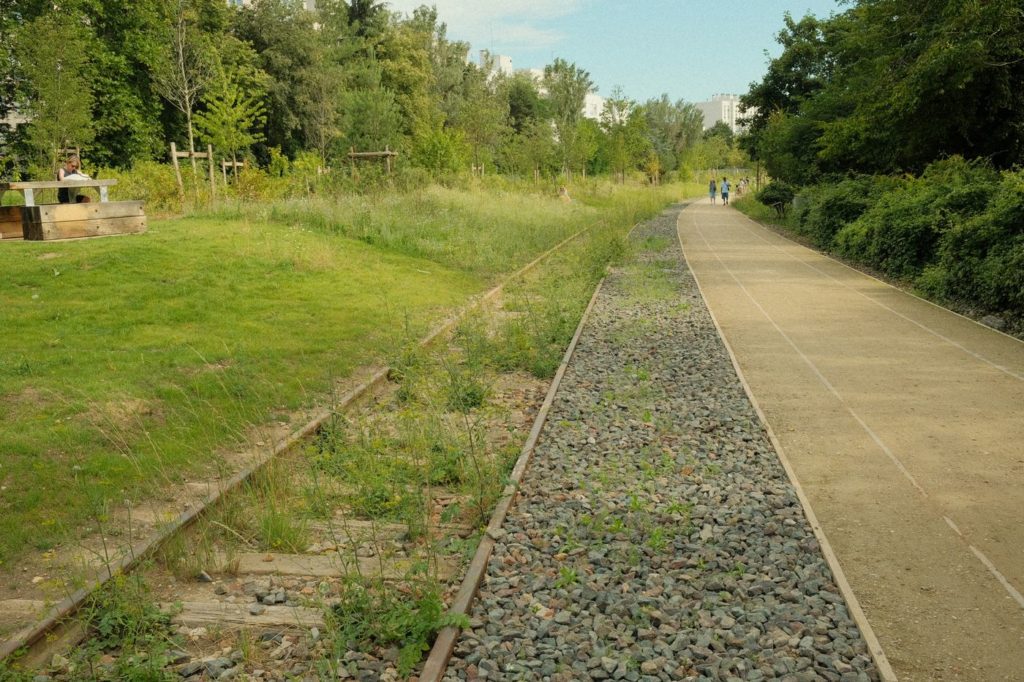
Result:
<point x="66" y="221"/>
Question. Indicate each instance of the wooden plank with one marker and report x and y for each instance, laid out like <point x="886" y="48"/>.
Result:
<point x="71" y="229"/>
<point x="325" y="566"/>
<point x="60" y="640"/>
<point x="55" y="184"/>
<point x="359" y="530"/>
<point x="88" y="211"/>
<point x="237" y="616"/>
<point x="11" y="222"/>
<point x="16" y="611"/>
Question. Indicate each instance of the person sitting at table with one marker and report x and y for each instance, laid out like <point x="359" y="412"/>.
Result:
<point x="71" y="171"/>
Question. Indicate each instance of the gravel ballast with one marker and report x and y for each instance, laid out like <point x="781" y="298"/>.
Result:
<point x="656" y="535"/>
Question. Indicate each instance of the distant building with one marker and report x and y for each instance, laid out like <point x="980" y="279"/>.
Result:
<point x="593" y="106"/>
<point x="14" y="119"/>
<point x="724" y="108"/>
<point x="593" y="103"/>
<point x="499" y="64"/>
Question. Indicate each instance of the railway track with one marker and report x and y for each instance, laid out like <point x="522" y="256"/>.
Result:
<point x="254" y="580"/>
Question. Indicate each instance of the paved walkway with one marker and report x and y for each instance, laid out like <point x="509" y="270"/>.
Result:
<point x="905" y="424"/>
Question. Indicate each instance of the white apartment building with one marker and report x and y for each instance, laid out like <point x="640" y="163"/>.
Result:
<point x="499" y="63"/>
<point x="723" y="108"/>
<point x="593" y="105"/>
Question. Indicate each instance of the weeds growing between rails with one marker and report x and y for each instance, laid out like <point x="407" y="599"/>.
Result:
<point x="432" y="456"/>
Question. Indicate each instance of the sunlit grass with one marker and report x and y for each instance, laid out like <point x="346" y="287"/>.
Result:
<point x="128" y="362"/>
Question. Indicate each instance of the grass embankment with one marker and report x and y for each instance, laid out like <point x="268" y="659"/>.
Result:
<point x="129" y="362"/>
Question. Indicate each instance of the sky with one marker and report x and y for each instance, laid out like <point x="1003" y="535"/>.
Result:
<point x="687" y="49"/>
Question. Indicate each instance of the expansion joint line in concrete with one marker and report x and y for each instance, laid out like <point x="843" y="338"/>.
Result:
<point x="985" y="561"/>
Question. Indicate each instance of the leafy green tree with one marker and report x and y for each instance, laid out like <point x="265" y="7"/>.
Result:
<point x="673" y="128"/>
<point x="127" y="111"/>
<point x="932" y="79"/>
<point x="447" y="61"/>
<point x="319" y="94"/>
<point x="800" y="72"/>
<point x="586" y="142"/>
<point x="367" y="17"/>
<point x="891" y="85"/>
<point x="614" y="124"/>
<point x="530" y="151"/>
<point x="185" y="68"/>
<point x="57" y="84"/>
<point x="525" y="105"/>
<point x="232" y="117"/>
<point x="403" y="58"/>
<point x="371" y="119"/>
<point x="441" y="150"/>
<point x="567" y="86"/>
<point x="289" y="46"/>
<point x="482" y="116"/>
<point x="722" y="130"/>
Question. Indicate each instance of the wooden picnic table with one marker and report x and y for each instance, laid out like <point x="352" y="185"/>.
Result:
<point x="65" y="221"/>
<point x="28" y="189"/>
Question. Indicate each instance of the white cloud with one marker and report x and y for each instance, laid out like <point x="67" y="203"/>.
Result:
<point x="509" y="25"/>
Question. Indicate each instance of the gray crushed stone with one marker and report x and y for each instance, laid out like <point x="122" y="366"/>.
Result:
<point x="656" y="536"/>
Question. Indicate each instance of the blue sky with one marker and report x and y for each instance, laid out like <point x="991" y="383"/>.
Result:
<point x="685" y="48"/>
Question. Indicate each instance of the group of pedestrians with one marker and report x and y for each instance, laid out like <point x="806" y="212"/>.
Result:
<point x="724" y="187"/>
<point x="714" y="189"/>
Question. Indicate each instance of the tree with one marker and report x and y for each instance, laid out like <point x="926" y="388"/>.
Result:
<point x="614" y="119"/>
<point x="673" y="128"/>
<point x="482" y="116"/>
<point x="366" y="17"/>
<point x="128" y="112"/>
<point x="319" y="94"/>
<point x="184" y="70"/>
<point x="722" y="130"/>
<point x="531" y="150"/>
<point x="57" y="83"/>
<point x="371" y="119"/>
<point x="232" y="116"/>
<point x="892" y="85"/>
<point x="567" y="87"/>
<point x="525" y="106"/>
<point x="290" y="47"/>
<point x="586" y="141"/>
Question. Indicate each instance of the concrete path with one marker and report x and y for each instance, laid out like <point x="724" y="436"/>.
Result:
<point x="905" y="425"/>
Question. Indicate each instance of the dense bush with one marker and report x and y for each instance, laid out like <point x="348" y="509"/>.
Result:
<point x="981" y="260"/>
<point x="900" y="233"/>
<point x="778" y="195"/>
<point x="827" y="207"/>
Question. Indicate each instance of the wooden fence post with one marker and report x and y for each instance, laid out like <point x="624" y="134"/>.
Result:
<point x="213" y="184"/>
<point x="177" y="172"/>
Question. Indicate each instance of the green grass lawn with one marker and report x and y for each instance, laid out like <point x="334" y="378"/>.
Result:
<point x="126" y="359"/>
<point x="127" y="362"/>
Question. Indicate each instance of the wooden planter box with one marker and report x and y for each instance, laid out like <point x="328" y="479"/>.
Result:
<point x="10" y="222"/>
<point x="67" y="221"/>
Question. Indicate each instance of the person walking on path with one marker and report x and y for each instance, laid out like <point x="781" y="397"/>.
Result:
<point x="725" y="191"/>
<point x="712" y="190"/>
